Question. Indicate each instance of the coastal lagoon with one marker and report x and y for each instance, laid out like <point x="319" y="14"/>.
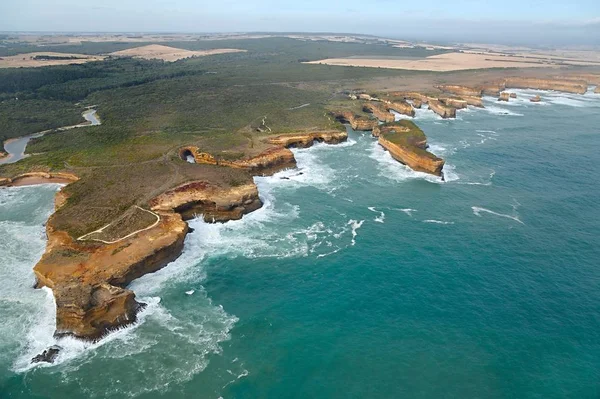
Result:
<point x="358" y="278"/>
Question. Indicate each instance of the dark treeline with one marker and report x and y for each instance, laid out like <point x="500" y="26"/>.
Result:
<point x="75" y="82"/>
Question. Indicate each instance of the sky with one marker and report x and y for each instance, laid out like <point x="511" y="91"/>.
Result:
<point x="500" y="21"/>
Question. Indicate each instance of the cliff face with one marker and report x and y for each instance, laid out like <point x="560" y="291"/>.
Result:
<point x="504" y="96"/>
<point x="215" y="203"/>
<point x="357" y="122"/>
<point x="304" y="140"/>
<point x="403" y="108"/>
<point x="460" y="90"/>
<point x="38" y="177"/>
<point x="474" y="101"/>
<point x="379" y="111"/>
<point x="88" y="281"/>
<point x="597" y="90"/>
<point x="442" y="110"/>
<point x="568" y="86"/>
<point x="407" y="144"/>
<point x="88" y="278"/>
<point x="454" y="102"/>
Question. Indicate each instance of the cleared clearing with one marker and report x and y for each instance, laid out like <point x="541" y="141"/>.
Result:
<point x="166" y="53"/>
<point x="46" y="59"/>
<point x="452" y="62"/>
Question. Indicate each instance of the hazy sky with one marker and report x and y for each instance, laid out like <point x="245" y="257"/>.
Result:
<point x="514" y="21"/>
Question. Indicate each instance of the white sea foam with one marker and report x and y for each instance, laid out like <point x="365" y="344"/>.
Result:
<point x="436" y="221"/>
<point x="477" y="211"/>
<point x="381" y="217"/>
<point x="497" y="109"/>
<point x="408" y="211"/>
<point x="355" y="225"/>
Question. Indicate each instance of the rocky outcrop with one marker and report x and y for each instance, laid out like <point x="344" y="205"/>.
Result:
<point x="442" y="110"/>
<point x="416" y="103"/>
<point x="474" y="101"/>
<point x="568" y="86"/>
<point x="357" y="122"/>
<point x="454" y="102"/>
<point x="304" y="140"/>
<point x="493" y="88"/>
<point x="215" y="203"/>
<point x="88" y="280"/>
<point x="460" y="90"/>
<point x="407" y="144"/>
<point x="401" y="107"/>
<point x="535" y="99"/>
<point x="3" y="154"/>
<point x="47" y="356"/>
<point x="513" y="95"/>
<point x="379" y="111"/>
<point x="504" y="96"/>
<point x="597" y="90"/>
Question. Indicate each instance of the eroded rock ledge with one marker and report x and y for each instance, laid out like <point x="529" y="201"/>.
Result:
<point x="89" y="277"/>
<point x="408" y="144"/>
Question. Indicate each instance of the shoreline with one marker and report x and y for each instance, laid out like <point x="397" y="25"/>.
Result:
<point x="91" y="120"/>
<point x="116" y="265"/>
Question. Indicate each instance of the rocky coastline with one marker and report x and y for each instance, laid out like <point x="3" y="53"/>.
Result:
<point x="89" y="277"/>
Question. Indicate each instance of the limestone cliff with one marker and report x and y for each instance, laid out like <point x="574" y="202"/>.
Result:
<point x="89" y="277"/>
<point x="454" y="102"/>
<point x="213" y="202"/>
<point x="442" y="110"/>
<point x="304" y="140"/>
<point x="88" y="281"/>
<point x="407" y="144"/>
<point x="474" y="101"/>
<point x="504" y="96"/>
<point x="38" y="177"/>
<point x="401" y="107"/>
<point x="379" y="111"/>
<point x="357" y="122"/>
<point x="597" y="90"/>
<point x="460" y="90"/>
<point x="568" y="86"/>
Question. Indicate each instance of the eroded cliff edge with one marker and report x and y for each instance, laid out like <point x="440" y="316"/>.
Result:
<point x="408" y="145"/>
<point x="89" y="274"/>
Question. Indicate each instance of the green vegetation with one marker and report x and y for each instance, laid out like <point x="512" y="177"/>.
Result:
<point x="149" y="109"/>
<point x="406" y="134"/>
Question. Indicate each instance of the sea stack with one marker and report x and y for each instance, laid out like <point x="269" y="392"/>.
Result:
<point x="504" y="96"/>
<point x="535" y="99"/>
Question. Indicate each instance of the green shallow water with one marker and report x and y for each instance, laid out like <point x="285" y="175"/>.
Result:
<point x="358" y="278"/>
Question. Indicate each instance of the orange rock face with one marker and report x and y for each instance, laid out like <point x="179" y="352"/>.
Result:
<point x="88" y="282"/>
<point x="442" y="110"/>
<point x="460" y="90"/>
<point x="454" y="102"/>
<point x="535" y="99"/>
<point x="357" y="122"/>
<point x="568" y="86"/>
<point x="474" y="101"/>
<point x="504" y="96"/>
<point x="379" y="111"/>
<point x="403" y="107"/>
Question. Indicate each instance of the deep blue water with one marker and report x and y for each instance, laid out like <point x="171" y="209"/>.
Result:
<point x="358" y="278"/>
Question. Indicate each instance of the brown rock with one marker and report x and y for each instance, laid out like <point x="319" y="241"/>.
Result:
<point x="407" y="144"/>
<point x="442" y="110"/>
<point x="513" y="95"/>
<point x="401" y="107"/>
<point x="474" y="101"/>
<point x="357" y="122"/>
<point x="379" y="111"/>
<point x="460" y="90"/>
<point x="535" y="99"/>
<point x="504" y="96"/>
<point x="454" y="102"/>
<point x="568" y="86"/>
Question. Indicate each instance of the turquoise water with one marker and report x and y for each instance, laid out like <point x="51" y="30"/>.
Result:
<point x="358" y="278"/>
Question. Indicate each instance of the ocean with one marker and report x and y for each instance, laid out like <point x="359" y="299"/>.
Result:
<point x="359" y="278"/>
